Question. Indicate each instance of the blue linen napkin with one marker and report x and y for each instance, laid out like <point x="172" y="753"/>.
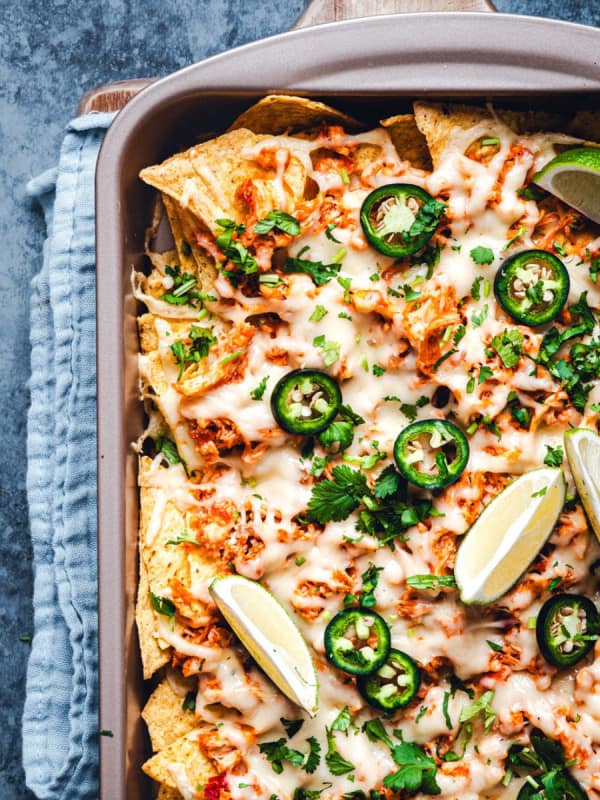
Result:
<point x="60" y="720"/>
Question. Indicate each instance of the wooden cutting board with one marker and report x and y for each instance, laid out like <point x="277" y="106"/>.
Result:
<point x="113" y="96"/>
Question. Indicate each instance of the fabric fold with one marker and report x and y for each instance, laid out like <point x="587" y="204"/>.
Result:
<point x="60" y="721"/>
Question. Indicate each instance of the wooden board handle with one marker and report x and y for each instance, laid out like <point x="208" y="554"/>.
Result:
<point x="319" y="11"/>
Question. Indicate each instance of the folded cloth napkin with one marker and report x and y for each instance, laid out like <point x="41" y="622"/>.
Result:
<point x="60" y="721"/>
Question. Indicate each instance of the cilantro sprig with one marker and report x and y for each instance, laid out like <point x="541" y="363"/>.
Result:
<point x="280" y="221"/>
<point x="384" y="510"/>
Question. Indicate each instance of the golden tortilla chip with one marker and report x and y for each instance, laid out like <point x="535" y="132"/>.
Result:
<point x="208" y="179"/>
<point x="186" y="752"/>
<point x="408" y="140"/>
<point x="439" y="122"/>
<point x="153" y="656"/>
<point x="165" y="717"/>
<point x="277" y="114"/>
<point x="166" y="793"/>
<point x="182" y="243"/>
<point x="587" y="125"/>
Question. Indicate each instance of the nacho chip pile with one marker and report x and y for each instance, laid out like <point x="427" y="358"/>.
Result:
<point x="225" y="314"/>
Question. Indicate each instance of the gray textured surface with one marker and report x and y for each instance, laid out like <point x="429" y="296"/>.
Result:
<point x="51" y="52"/>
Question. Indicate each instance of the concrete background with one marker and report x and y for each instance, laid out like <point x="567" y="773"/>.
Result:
<point x="51" y="52"/>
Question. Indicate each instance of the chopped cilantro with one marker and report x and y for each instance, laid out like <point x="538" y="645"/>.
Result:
<point x="329" y="233"/>
<point x="345" y="283"/>
<point x="482" y="255"/>
<point x="478" y="318"/>
<point x="319" y="272"/>
<point x="292" y="726"/>
<point x="337" y="764"/>
<point x="318" y="313"/>
<point x="378" y="370"/>
<point x="497" y="648"/>
<point x="258" y="393"/>
<point x="431" y="581"/>
<point x="443" y="358"/>
<point x="522" y="230"/>
<point x="483" y="706"/>
<point x="508" y="346"/>
<point x="484" y="374"/>
<point x="189" y="702"/>
<point x="281" y="221"/>
<point x="554" y="584"/>
<point x="330" y="350"/>
<point x="554" y="456"/>
<point x="594" y="269"/>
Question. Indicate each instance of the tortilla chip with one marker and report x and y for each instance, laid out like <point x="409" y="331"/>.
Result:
<point x="183" y="245"/>
<point x="186" y="751"/>
<point x="206" y="179"/>
<point x="277" y="114"/>
<point x="153" y="656"/>
<point x="438" y="122"/>
<point x="587" y="125"/>
<point x="408" y="140"/>
<point x="165" y="717"/>
<point x="166" y="793"/>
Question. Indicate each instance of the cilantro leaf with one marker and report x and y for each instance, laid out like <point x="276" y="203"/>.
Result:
<point x="281" y="221"/>
<point x="319" y="272"/>
<point x="189" y="702"/>
<point x="342" y="721"/>
<point x="417" y="770"/>
<point x="389" y="481"/>
<point x="508" y="346"/>
<point x="483" y="705"/>
<point x="313" y="758"/>
<point x="340" y="433"/>
<point x="482" y="255"/>
<point x="329" y="233"/>
<point x="337" y="764"/>
<point x="234" y="250"/>
<point x="162" y="605"/>
<point x="292" y="726"/>
<point x="277" y="752"/>
<point x="334" y="500"/>
<point x="376" y="732"/>
<point x="426" y="220"/>
<point x="554" y="456"/>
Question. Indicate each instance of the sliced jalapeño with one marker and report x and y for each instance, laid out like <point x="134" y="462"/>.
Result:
<point x="392" y="685"/>
<point x="357" y="640"/>
<point x="566" y="629"/>
<point x="431" y="453"/>
<point x="305" y="401"/>
<point x="532" y="287"/>
<point x="388" y="217"/>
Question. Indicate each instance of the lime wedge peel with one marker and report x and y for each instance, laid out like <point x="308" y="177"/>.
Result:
<point x="574" y="177"/>
<point x="582" y="447"/>
<point x="508" y="535"/>
<point x="270" y="636"/>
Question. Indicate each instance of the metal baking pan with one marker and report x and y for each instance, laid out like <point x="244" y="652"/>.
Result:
<point x="369" y="67"/>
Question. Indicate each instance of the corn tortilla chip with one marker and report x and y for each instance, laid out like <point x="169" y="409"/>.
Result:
<point x="439" y="122"/>
<point x="153" y="656"/>
<point x="165" y="717"/>
<point x="277" y="114"/>
<point x="207" y="179"/>
<point x="184" y="751"/>
<point x="166" y="793"/>
<point x="408" y="140"/>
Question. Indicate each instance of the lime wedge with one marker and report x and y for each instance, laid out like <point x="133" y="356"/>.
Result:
<point x="582" y="447"/>
<point x="508" y="535"/>
<point x="270" y="636"/>
<point x="574" y="176"/>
